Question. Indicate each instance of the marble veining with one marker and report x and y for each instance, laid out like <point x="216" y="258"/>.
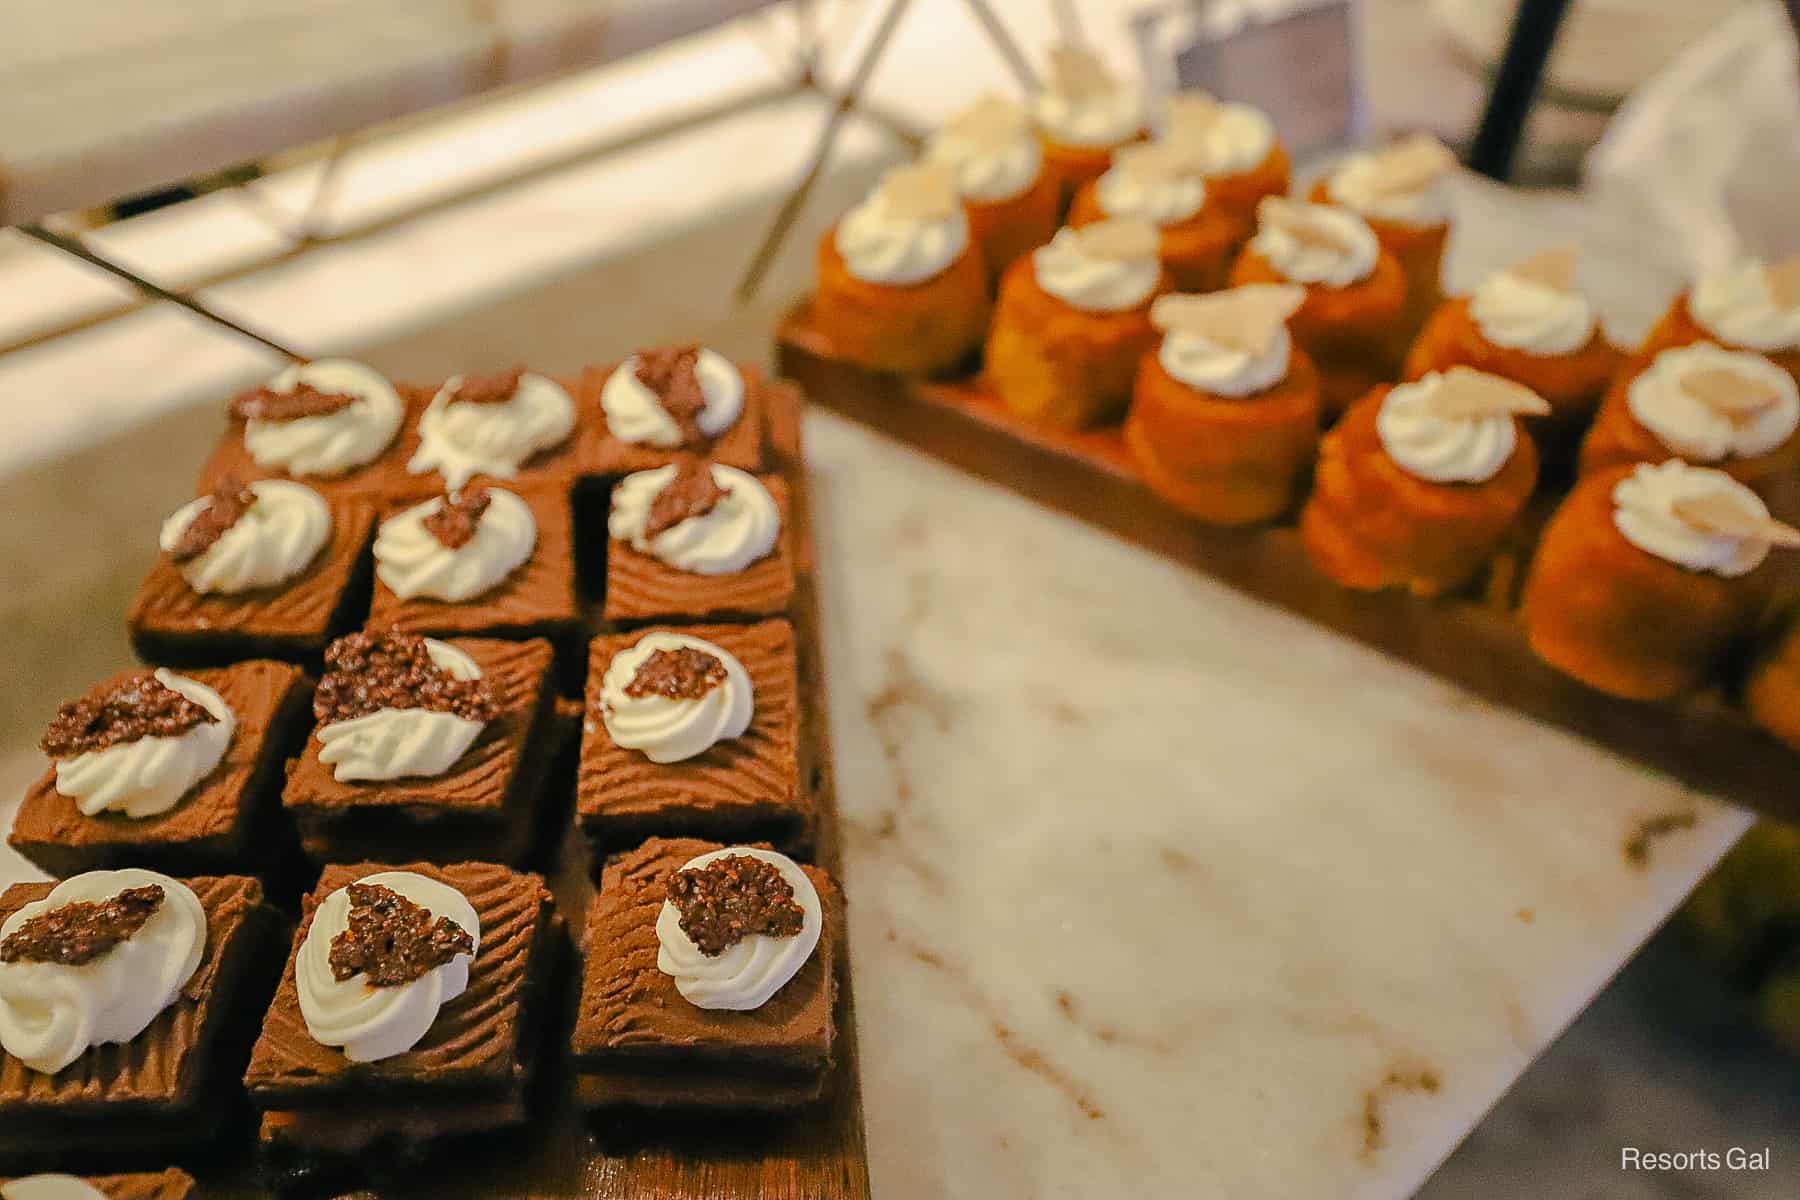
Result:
<point x="1156" y="884"/>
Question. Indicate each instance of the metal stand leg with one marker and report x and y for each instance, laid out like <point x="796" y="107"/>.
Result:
<point x="828" y="133"/>
<point x="1515" y="87"/>
<point x="71" y="246"/>
<point x="847" y="102"/>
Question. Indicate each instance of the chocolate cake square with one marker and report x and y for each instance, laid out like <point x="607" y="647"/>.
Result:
<point x="172" y="624"/>
<point x="468" y="1073"/>
<point x="536" y="600"/>
<point x="484" y="806"/>
<point x="738" y="789"/>
<point x="639" y="1042"/>
<point x="381" y="476"/>
<point x="601" y="454"/>
<point x="641" y="587"/>
<point x="554" y="467"/>
<point x="230" y="819"/>
<point x="171" y="1184"/>
<point x="173" y="1085"/>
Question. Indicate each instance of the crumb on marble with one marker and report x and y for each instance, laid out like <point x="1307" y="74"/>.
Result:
<point x="1649" y="830"/>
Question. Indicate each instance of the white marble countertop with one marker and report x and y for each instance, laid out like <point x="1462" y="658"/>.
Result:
<point x="1157" y="891"/>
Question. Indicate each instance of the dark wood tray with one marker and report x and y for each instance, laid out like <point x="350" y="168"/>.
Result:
<point x="816" y="1154"/>
<point x="1473" y="640"/>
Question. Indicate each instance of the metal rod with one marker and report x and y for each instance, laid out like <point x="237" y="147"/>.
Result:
<point x="1515" y="88"/>
<point x="828" y="134"/>
<point x="77" y="249"/>
<point x="1009" y="49"/>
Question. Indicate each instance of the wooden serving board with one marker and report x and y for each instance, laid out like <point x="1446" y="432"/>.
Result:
<point x="1473" y="640"/>
<point x="815" y="1154"/>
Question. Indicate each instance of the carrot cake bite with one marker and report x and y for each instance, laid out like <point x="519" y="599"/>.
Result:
<point x="1224" y="418"/>
<point x="1014" y="203"/>
<point x="1084" y="113"/>
<point x="1234" y="146"/>
<point x="1648" y="575"/>
<point x="1355" y="292"/>
<point x="1419" y="482"/>
<point x="1156" y="183"/>
<point x="1750" y="305"/>
<point x="901" y="283"/>
<point x="1072" y="322"/>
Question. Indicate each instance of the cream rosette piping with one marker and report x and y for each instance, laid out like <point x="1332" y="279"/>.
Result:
<point x="666" y="729"/>
<point x="1220" y="138"/>
<point x="1751" y="304"/>
<point x="1084" y="104"/>
<point x="1533" y="306"/>
<point x="274" y="540"/>
<point x="635" y="414"/>
<point x="331" y="443"/>
<point x="52" y="1013"/>
<point x="371" y="1023"/>
<point x="990" y="150"/>
<point x="1233" y="343"/>
<point x="1657" y="509"/>
<point x="1085" y="269"/>
<point x="460" y="439"/>
<point x="395" y="743"/>
<point x="746" y="974"/>
<point x="411" y="561"/>
<point x="1403" y="183"/>
<point x="1709" y="404"/>
<point x="1454" y="427"/>
<point x="909" y="229"/>
<point x="739" y="530"/>
<point x="1314" y="243"/>
<point x="150" y="775"/>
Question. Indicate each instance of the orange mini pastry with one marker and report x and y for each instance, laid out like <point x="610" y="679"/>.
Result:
<point x="1234" y="146"/>
<point x="1528" y="324"/>
<point x="1401" y="192"/>
<point x="1150" y="182"/>
<point x="1750" y="305"/>
<point x="901" y="284"/>
<point x="1072" y="322"/>
<point x="1647" y="575"/>
<point x="1224" y="417"/>
<point x="1083" y="115"/>
<point x="1772" y="692"/>
<point x="1014" y="203"/>
<point x="1710" y="406"/>
<point x="1418" y="483"/>
<point x="1355" y="292"/>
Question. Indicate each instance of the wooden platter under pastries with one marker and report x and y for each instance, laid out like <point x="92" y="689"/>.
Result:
<point x="1472" y="639"/>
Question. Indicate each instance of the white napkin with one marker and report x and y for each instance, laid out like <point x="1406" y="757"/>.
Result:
<point x="1702" y="163"/>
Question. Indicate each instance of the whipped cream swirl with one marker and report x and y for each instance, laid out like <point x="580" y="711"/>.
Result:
<point x="1099" y="118"/>
<point x="412" y="562"/>
<point x="394" y="743"/>
<point x="635" y="414"/>
<point x="1438" y="448"/>
<point x="670" y="730"/>
<point x="1643" y="513"/>
<point x="372" y="1023"/>
<point x="881" y="246"/>
<point x="988" y="172"/>
<point x="1091" y="282"/>
<point x="1658" y="398"/>
<point x="52" y="1013"/>
<point x="331" y="443"/>
<point x="747" y="973"/>
<point x="271" y="543"/>
<point x="50" y="1187"/>
<point x="1737" y="305"/>
<point x="1146" y="196"/>
<point x="1523" y="314"/>
<point x="151" y="775"/>
<point x="1348" y="258"/>
<point x="739" y="530"/>
<point x="1234" y="139"/>
<point x="461" y="440"/>
<point x="1222" y="370"/>
<point x="1359" y="184"/>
